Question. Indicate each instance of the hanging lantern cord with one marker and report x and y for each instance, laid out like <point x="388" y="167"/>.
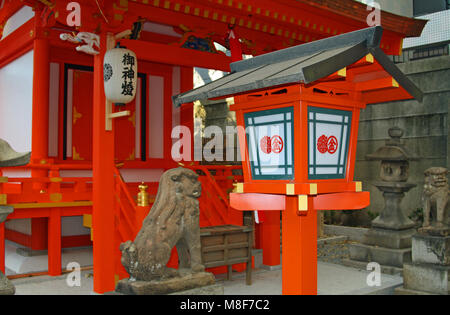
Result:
<point x="101" y="12"/>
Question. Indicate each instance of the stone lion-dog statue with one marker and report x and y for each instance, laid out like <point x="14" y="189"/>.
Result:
<point x="172" y="221"/>
<point x="435" y="198"/>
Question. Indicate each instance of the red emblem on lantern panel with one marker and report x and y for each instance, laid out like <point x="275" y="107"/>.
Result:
<point x="325" y="144"/>
<point x="277" y="144"/>
<point x="322" y="144"/>
<point x="265" y="144"/>
<point x="332" y="144"/>
<point x="269" y="145"/>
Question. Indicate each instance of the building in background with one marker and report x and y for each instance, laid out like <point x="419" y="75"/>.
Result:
<point x="426" y="61"/>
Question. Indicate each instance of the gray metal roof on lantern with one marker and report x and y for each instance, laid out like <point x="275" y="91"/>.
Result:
<point x="304" y="63"/>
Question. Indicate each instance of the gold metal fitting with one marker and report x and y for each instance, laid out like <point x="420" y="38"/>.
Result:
<point x="142" y="197"/>
<point x="238" y="188"/>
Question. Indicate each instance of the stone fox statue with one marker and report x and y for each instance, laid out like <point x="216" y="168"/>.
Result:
<point x="435" y="198"/>
<point x="172" y="221"/>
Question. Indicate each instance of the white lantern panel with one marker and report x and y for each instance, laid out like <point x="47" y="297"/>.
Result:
<point x="325" y="132"/>
<point x="328" y="140"/>
<point x="120" y="74"/>
<point x="270" y="139"/>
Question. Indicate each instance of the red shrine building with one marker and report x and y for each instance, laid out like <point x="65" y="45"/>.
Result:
<point x="89" y="156"/>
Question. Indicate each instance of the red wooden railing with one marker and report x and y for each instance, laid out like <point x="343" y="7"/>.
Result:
<point x="217" y="182"/>
<point x="30" y="193"/>
<point x="51" y="197"/>
<point x="46" y="189"/>
<point x="125" y="209"/>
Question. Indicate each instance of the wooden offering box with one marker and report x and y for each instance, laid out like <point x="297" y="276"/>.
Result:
<point x="227" y="245"/>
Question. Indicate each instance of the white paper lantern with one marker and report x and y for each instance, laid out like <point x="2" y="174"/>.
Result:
<point x="120" y="75"/>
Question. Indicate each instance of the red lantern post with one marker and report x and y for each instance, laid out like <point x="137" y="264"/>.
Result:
<point x="300" y="111"/>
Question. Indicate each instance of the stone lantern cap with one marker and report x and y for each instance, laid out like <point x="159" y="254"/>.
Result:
<point x="394" y="149"/>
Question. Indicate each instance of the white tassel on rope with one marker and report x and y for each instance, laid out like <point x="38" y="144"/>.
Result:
<point x="256" y="217"/>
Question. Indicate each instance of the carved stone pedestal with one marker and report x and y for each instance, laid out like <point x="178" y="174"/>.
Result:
<point x="175" y="285"/>
<point x="428" y="273"/>
<point x="388" y="242"/>
<point x="6" y="287"/>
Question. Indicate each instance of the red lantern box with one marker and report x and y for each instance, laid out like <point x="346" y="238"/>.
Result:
<point x="299" y="112"/>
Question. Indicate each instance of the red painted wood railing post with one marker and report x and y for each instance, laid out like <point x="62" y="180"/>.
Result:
<point x="2" y="247"/>
<point x="40" y="118"/>
<point x="103" y="183"/>
<point x="54" y="243"/>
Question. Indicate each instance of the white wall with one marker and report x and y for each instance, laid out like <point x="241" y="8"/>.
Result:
<point x="156" y="117"/>
<point x="72" y="226"/>
<point x="53" y="116"/>
<point x="16" y="91"/>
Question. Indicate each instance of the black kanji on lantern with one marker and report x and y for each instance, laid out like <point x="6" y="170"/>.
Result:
<point x="128" y="60"/>
<point x="127" y="88"/>
<point x="128" y="73"/>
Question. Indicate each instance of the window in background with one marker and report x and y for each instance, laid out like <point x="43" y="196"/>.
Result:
<point x="422" y="7"/>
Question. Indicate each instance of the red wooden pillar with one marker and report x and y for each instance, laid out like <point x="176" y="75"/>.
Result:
<point x="54" y="242"/>
<point x="103" y="183"/>
<point x="271" y="238"/>
<point x="299" y="260"/>
<point x="258" y="236"/>
<point x="39" y="138"/>
<point x="2" y="247"/>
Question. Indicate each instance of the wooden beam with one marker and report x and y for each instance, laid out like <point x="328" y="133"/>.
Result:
<point x="365" y="61"/>
<point x="217" y="27"/>
<point x="177" y="56"/>
<point x="281" y="20"/>
<point x="256" y="201"/>
<point x="389" y="95"/>
<point x="38" y="205"/>
<point x="17" y="43"/>
<point x="8" y="10"/>
<point x="342" y="201"/>
<point x="379" y="84"/>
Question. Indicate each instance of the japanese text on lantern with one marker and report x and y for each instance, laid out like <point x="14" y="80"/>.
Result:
<point x="327" y="144"/>
<point x="128" y="74"/>
<point x="271" y="144"/>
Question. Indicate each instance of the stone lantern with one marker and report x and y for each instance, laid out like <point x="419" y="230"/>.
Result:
<point x="394" y="173"/>
<point x="388" y="242"/>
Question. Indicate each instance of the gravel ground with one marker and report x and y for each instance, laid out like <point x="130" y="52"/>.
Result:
<point x="333" y="253"/>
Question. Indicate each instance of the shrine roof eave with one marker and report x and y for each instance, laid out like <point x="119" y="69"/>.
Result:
<point x="305" y="64"/>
